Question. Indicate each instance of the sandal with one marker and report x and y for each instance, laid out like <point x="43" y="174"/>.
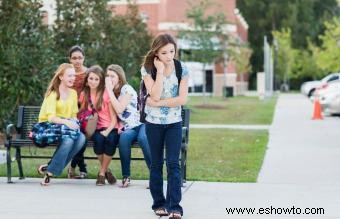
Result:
<point x="161" y="212"/>
<point x="175" y="215"/>
<point x="46" y="180"/>
<point x="42" y="169"/>
<point x="126" y="182"/>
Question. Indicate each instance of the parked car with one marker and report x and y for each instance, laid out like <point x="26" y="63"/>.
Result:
<point x="334" y="106"/>
<point x="308" y="88"/>
<point x="328" y="98"/>
<point x="328" y="88"/>
<point x="327" y="92"/>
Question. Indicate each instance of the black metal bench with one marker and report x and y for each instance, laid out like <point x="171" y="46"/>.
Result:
<point x="17" y="137"/>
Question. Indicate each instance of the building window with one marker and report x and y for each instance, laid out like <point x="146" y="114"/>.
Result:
<point x="144" y="16"/>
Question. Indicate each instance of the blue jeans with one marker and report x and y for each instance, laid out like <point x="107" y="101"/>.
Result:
<point x="64" y="153"/>
<point x="125" y="141"/>
<point x="170" y="136"/>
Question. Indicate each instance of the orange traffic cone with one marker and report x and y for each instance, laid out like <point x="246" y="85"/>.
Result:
<point x="317" y="109"/>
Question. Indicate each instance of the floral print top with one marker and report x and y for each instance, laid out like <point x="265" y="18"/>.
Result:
<point x="166" y="115"/>
<point x="130" y="116"/>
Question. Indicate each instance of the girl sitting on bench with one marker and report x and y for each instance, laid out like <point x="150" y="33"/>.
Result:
<point x="60" y="107"/>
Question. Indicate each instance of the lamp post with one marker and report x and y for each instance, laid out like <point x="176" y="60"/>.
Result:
<point x="276" y="49"/>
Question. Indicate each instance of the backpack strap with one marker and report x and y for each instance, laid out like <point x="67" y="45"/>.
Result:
<point x="179" y="70"/>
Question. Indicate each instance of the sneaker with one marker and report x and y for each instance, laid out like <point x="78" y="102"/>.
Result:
<point x="42" y="169"/>
<point x="111" y="179"/>
<point x="100" y="180"/>
<point x="82" y="175"/>
<point x="126" y="182"/>
<point x="71" y="173"/>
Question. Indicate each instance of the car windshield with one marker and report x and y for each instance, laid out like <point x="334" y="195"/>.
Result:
<point x="331" y="77"/>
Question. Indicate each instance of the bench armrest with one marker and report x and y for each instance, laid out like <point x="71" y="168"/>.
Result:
<point x="185" y="134"/>
<point x="10" y="131"/>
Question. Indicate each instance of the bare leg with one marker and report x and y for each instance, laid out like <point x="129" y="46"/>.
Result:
<point x="106" y="160"/>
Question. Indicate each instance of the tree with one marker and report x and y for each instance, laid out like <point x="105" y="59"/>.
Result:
<point x="80" y="22"/>
<point x="327" y="56"/>
<point x="204" y="36"/>
<point x="283" y="55"/>
<point x="305" y="18"/>
<point x="27" y="61"/>
<point x="240" y="55"/>
<point x="127" y="41"/>
<point x="107" y="39"/>
<point x="304" y="65"/>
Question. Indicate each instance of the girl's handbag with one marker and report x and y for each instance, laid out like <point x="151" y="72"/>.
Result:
<point x="88" y="120"/>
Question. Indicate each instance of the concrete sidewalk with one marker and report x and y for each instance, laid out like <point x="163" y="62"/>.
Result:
<point x="301" y="150"/>
<point x="300" y="170"/>
<point x="82" y="199"/>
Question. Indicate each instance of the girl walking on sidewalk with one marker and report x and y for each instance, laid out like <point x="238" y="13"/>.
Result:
<point x="163" y="123"/>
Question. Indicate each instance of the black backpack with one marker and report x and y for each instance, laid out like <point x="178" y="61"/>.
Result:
<point x="143" y="93"/>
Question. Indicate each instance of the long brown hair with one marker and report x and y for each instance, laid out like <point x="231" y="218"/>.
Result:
<point x="160" y="41"/>
<point x="55" y="82"/>
<point x="97" y="70"/>
<point x="121" y="75"/>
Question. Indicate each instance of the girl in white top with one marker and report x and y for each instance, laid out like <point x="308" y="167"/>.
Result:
<point x="124" y="101"/>
<point x="163" y="123"/>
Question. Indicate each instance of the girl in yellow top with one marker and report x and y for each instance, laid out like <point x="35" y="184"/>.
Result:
<point x="60" y="106"/>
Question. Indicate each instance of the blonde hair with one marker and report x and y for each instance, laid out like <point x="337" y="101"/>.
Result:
<point x="55" y="82"/>
<point x="121" y="76"/>
<point x="97" y="70"/>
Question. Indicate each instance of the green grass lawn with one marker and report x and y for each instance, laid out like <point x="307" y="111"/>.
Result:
<point x="213" y="155"/>
<point x="235" y="110"/>
<point x="226" y="155"/>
